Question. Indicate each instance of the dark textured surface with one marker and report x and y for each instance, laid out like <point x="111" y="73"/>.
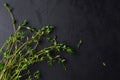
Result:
<point x="96" y="22"/>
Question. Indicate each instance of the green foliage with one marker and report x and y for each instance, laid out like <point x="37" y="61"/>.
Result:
<point x="79" y="44"/>
<point x="20" y="50"/>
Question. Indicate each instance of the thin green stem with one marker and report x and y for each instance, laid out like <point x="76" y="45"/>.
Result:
<point x="12" y="17"/>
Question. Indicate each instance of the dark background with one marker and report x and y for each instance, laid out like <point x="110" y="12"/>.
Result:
<point x="96" y="22"/>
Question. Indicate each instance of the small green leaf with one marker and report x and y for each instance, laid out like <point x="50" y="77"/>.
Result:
<point x="1" y="65"/>
<point x="28" y="28"/>
<point x="6" y="54"/>
<point x="29" y="77"/>
<point x="79" y="44"/>
<point x="63" y="61"/>
<point x="19" y="27"/>
<point x="57" y="56"/>
<point x="32" y="51"/>
<point x="20" y="76"/>
<point x="42" y="58"/>
<point x="54" y="40"/>
<point x="24" y="22"/>
<point x="104" y="64"/>
<point x="51" y="27"/>
<point x="36" y="75"/>
<point x="49" y="38"/>
<point x="5" y="4"/>
<point x="50" y="62"/>
<point x="25" y="60"/>
<point x="69" y="50"/>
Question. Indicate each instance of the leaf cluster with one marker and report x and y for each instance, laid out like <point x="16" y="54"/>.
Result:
<point x="21" y="50"/>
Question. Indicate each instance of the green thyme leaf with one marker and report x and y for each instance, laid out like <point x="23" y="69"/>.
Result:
<point x="79" y="44"/>
<point x="69" y="50"/>
<point x="1" y="65"/>
<point x="24" y="23"/>
<point x="5" y="4"/>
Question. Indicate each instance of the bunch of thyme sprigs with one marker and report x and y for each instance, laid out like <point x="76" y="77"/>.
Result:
<point x="21" y="50"/>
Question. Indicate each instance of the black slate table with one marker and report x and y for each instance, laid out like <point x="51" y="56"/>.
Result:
<point x="95" y="22"/>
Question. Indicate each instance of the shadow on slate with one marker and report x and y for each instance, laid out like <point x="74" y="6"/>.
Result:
<point x="96" y="22"/>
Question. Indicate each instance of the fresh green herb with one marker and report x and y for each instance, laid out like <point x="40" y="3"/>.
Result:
<point x="20" y="50"/>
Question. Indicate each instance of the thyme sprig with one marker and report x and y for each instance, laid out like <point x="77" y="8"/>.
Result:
<point x="21" y="50"/>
